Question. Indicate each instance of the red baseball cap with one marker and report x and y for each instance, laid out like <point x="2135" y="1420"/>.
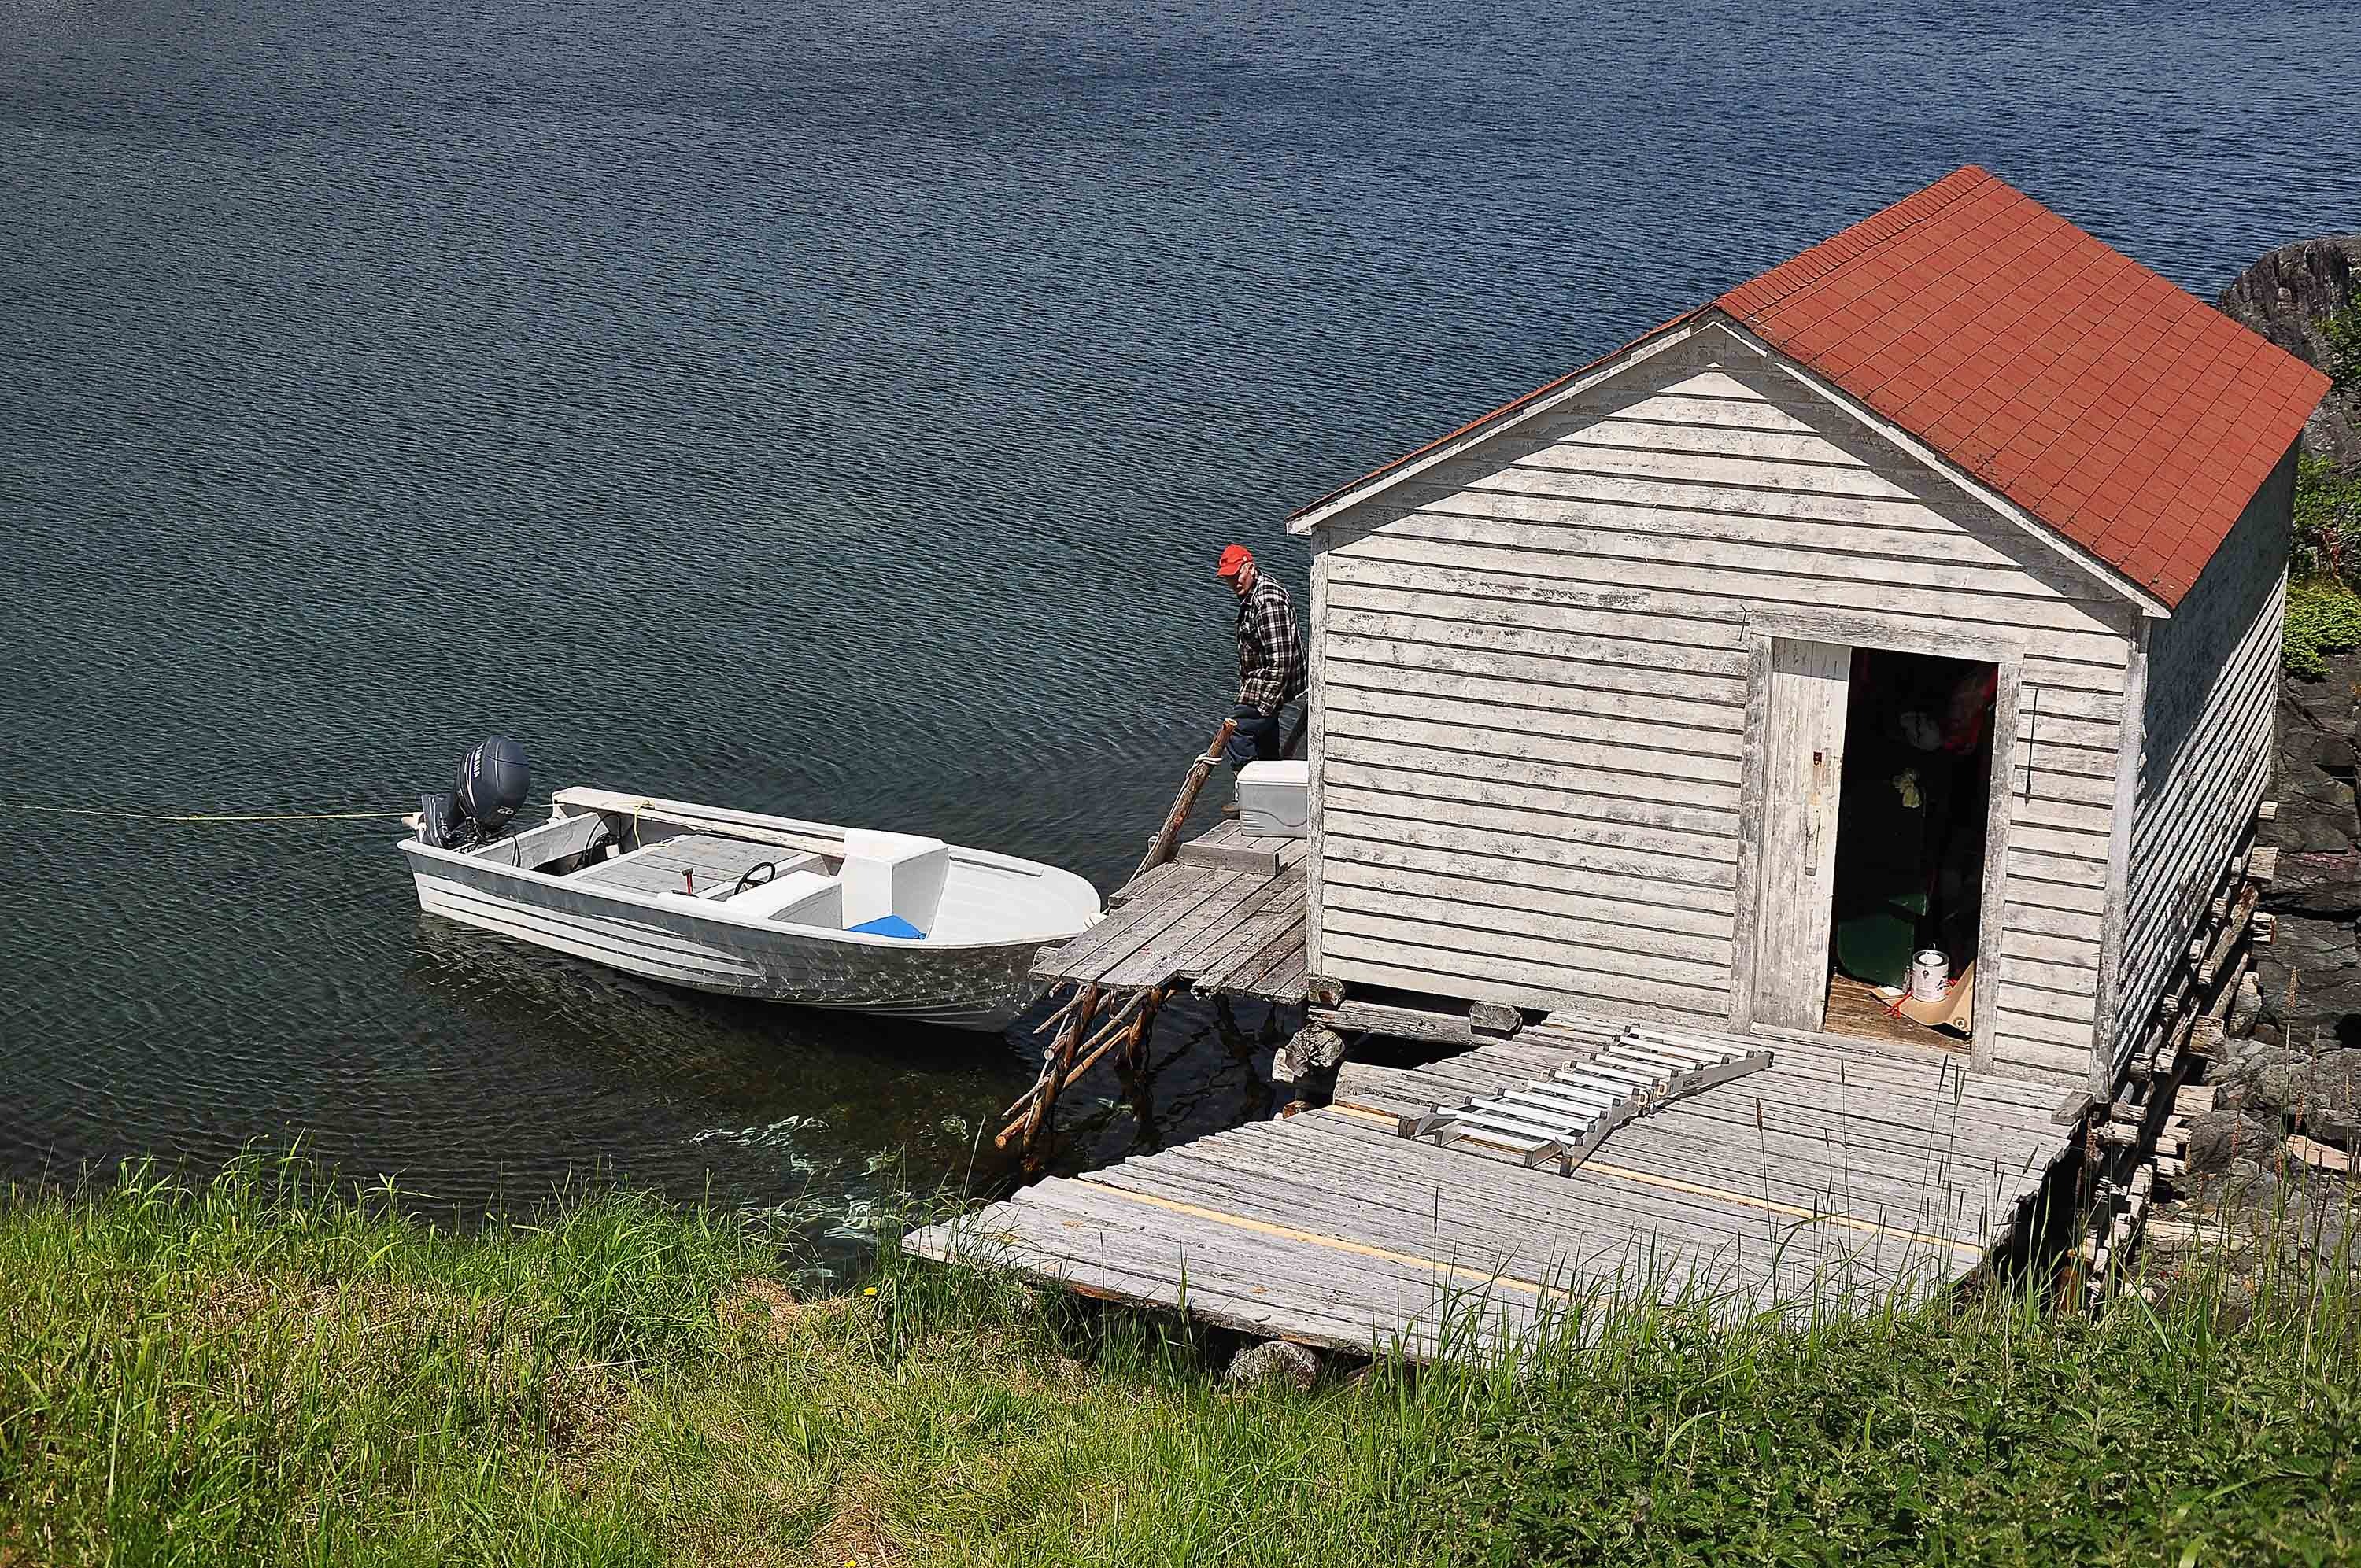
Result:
<point x="1235" y="559"/>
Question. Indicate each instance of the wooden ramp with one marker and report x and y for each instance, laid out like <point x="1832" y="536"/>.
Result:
<point x="1224" y="916"/>
<point x="1826" y="1177"/>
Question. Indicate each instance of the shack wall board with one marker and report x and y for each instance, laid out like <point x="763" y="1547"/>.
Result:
<point x="2212" y="681"/>
<point x="1531" y="717"/>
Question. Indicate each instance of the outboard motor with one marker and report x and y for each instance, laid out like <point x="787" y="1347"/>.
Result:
<point x="493" y="782"/>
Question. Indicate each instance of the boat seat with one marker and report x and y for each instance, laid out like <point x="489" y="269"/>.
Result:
<point x="893" y="882"/>
<point x="795" y="898"/>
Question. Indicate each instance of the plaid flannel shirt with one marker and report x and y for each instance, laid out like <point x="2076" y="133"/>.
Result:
<point x="1270" y="649"/>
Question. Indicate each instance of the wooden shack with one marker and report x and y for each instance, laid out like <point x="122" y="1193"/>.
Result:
<point x="1925" y="589"/>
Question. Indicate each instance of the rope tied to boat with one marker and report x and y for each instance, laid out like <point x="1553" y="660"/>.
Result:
<point x="98" y="815"/>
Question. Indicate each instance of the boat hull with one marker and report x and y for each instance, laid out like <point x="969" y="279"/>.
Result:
<point x="970" y="986"/>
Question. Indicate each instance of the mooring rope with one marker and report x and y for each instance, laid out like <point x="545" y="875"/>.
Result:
<point x="203" y="816"/>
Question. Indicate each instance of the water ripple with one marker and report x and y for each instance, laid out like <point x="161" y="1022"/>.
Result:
<point x="831" y="409"/>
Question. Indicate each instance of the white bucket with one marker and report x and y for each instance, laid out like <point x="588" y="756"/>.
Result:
<point x="1930" y="975"/>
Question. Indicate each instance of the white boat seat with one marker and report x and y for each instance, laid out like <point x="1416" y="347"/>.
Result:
<point x="894" y="877"/>
<point x="795" y="898"/>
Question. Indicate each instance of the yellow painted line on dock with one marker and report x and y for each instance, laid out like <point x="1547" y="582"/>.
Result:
<point x="1722" y="1195"/>
<point x="1286" y="1233"/>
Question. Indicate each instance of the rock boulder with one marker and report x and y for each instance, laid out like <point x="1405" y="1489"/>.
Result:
<point x="2287" y="297"/>
<point x="1275" y="1361"/>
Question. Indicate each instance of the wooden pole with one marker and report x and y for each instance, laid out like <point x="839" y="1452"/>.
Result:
<point x="1065" y="1009"/>
<point x="1061" y="1051"/>
<point x="1033" y="1109"/>
<point x="1121" y="1027"/>
<point x="1044" y="1093"/>
<point x="1160" y="848"/>
<point x="1143" y="1028"/>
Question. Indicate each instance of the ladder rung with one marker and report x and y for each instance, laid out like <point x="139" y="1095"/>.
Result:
<point x="1650" y="1057"/>
<point x="1563" y="1115"/>
<point x="1607" y="1072"/>
<point x="1491" y="1114"/>
<point x="1570" y="1093"/>
<point x="1618" y="1085"/>
<point x="1515" y="1143"/>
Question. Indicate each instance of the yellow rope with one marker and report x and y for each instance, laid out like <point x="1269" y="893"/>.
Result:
<point x="207" y="816"/>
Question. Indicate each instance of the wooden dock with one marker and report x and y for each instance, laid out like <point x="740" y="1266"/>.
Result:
<point x="1836" y="1173"/>
<point x="1224" y="916"/>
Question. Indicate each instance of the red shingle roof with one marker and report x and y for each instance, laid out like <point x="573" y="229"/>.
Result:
<point x="2128" y="415"/>
<point x="2121" y="410"/>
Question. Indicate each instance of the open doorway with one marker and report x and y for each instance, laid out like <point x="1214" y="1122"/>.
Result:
<point x="1909" y="863"/>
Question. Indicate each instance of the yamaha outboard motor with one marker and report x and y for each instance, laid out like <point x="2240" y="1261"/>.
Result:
<point x="493" y="781"/>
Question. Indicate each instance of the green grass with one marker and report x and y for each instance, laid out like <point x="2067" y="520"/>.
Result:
<point x="2343" y="333"/>
<point x="263" y="1370"/>
<point x="2323" y="617"/>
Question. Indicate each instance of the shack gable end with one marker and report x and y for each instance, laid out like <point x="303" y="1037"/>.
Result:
<point x="1539" y="664"/>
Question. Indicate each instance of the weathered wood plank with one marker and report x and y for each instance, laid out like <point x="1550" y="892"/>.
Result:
<point x="1356" y="764"/>
<point x="1367" y="814"/>
<point x="1409" y="895"/>
<point x="1550" y="688"/>
<point x="1376" y="842"/>
<point x="1259" y="858"/>
<point x="1491" y="730"/>
<point x="1155" y="956"/>
<point x="2062" y="625"/>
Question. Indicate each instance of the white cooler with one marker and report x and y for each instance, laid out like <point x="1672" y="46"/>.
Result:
<point x="1274" y="799"/>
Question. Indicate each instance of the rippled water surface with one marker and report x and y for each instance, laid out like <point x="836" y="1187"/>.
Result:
<point x="834" y="410"/>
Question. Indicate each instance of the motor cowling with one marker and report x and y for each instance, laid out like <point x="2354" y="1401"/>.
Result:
<point x="493" y="783"/>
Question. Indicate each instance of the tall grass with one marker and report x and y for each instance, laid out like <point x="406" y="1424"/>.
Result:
<point x="263" y="1369"/>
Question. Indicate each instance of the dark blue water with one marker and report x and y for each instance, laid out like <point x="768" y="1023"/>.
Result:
<point x="831" y="410"/>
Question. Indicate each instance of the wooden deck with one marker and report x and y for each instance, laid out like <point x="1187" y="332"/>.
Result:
<point x="1834" y="1174"/>
<point x="1856" y="1008"/>
<point x="667" y="865"/>
<point x="1226" y="915"/>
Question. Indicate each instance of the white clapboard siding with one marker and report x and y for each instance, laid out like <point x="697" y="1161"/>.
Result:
<point x="2213" y="677"/>
<point x="1534" y="666"/>
<point x="1626" y="900"/>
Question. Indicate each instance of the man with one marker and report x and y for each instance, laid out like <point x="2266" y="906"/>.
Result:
<point x="1270" y="657"/>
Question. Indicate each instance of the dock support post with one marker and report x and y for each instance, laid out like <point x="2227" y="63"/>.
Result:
<point x="1044" y="1093"/>
<point x="1126" y="1027"/>
<point x="1134" y="1047"/>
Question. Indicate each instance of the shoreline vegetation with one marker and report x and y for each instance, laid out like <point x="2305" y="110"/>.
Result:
<point x="268" y="1367"/>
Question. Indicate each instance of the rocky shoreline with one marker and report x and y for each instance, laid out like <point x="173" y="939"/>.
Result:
<point x="2311" y="973"/>
<point x="2259" y="1159"/>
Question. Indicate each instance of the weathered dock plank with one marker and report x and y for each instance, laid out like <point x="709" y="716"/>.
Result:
<point x="1821" y="1178"/>
<point x="1227" y="917"/>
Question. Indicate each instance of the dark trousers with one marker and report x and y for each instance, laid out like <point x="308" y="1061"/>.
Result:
<point x="1257" y="738"/>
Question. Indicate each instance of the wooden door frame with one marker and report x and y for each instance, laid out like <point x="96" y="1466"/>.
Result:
<point x="1763" y="627"/>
